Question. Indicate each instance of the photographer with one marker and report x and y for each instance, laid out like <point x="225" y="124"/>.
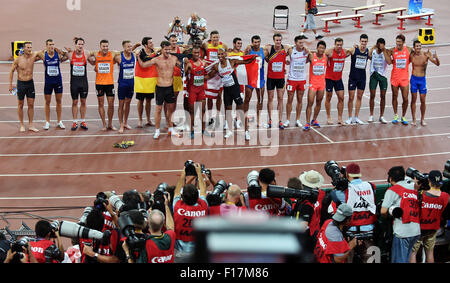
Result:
<point x="196" y="28"/>
<point x="260" y="202"/>
<point x="131" y="244"/>
<point x="159" y="246"/>
<point x="178" y="29"/>
<point x="96" y="251"/>
<point x="360" y="196"/>
<point x="401" y="202"/>
<point x="26" y="256"/>
<point x="188" y="204"/>
<point x="331" y="246"/>
<point x="43" y="247"/>
<point x="434" y="203"/>
<point x="102" y="202"/>
<point x="233" y="203"/>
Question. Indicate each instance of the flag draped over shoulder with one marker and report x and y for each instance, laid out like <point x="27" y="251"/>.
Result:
<point x="145" y="79"/>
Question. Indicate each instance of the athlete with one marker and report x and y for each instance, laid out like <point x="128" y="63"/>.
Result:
<point x="104" y="82"/>
<point x="231" y="89"/>
<point x="24" y="66"/>
<point x="357" y="78"/>
<point x="317" y="70"/>
<point x="165" y="64"/>
<point x="400" y="56"/>
<point x="419" y="61"/>
<point x="298" y="57"/>
<point x="236" y="51"/>
<point x="53" y="81"/>
<point x="379" y="59"/>
<point x="333" y="78"/>
<point x="79" y="86"/>
<point x="276" y="71"/>
<point x="176" y="48"/>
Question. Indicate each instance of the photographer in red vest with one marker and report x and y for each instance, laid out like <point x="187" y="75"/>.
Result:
<point x="331" y="245"/>
<point x="433" y="204"/>
<point x="44" y="248"/>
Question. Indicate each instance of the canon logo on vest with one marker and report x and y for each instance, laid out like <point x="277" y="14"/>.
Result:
<point x="37" y="250"/>
<point x="265" y="207"/>
<point x="409" y="195"/>
<point x="161" y="259"/>
<point x="187" y="213"/>
<point x="431" y="205"/>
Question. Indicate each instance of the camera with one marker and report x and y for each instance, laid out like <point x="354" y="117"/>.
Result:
<point x="73" y="230"/>
<point x="158" y="197"/>
<point x="100" y="201"/>
<point x="253" y="186"/>
<point x="446" y="172"/>
<point x="127" y="229"/>
<point x="284" y="192"/>
<point x="395" y="211"/>
<point x="215" y="197"/>
<point x="194" y="31"/>
<point x="189" y="168"/>
<point x="338" y="175"/>
<point x="18" y="245"/>
<point x="360" y="236"/>
<point x="420" y="177"/>
<point x="83" y="217"/>
<point x="177" y="22"/>
<point x="116" y="202"/>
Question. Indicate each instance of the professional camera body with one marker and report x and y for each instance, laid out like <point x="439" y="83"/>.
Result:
<point x="127" y="229"/>
<point x="194" y="31"/>
<point x="100" y="201"/>
<point x="338" y="175"/>
<point x="215" y="197"/>
<point x="157" y="202"/>
<point x="253" y="186"/>
<point x="420" y="177"/>
<point x="189" y="168"/>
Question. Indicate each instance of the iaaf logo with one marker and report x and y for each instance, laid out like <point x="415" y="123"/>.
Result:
<point x="73" y="5"/>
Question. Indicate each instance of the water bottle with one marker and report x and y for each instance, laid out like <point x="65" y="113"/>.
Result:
<point x="14" y="91"/>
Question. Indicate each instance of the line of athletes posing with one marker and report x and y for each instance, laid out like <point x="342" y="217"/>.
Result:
<point x="325" y="74"/>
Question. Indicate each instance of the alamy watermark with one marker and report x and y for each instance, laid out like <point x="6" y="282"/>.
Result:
<point x="73" y="5"/>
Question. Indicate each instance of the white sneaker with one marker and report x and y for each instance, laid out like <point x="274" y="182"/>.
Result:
<point x="286" y="124"/>
<point x="299" y="124"/>
<point x="156" y="135"/>
<point x="228" y="134"/>
<point x="46" y="126"/>
<point x="225" y="126"/>
<point x="349" y="121"/>
<point x="370" y="120"/>
<point x="382" y="120"/>
<point x="237" y="124"/>
<point x="247" y="135"/>
<point x="357" y="121"/>
<point x="61" y="125"/>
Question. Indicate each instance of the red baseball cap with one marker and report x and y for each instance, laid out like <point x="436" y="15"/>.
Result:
<point x="353" y="170"/>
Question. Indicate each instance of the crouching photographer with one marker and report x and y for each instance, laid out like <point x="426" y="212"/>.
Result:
<point x="402" y="203"/>
<point x="47" y="246"/>
<point x="232" y="202"/>
<point x="257" y="198"/>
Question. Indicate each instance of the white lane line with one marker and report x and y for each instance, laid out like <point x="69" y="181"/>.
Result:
<point x="225" y="168"/>
<point x="322" y="135"/>
<point x="241" y="147"/>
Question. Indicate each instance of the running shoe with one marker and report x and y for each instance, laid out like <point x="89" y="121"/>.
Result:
<point x="314" y="123"/>
<point x="395" y="121"/>
<point x="173" y="133"/>
<point x="83" y="126"/>
<point x="404" y="122"/>
<point x="156" y="135"/>
<point x="370" y="120"/>
<point x="356" y="120"/>
<point x="281" y="126"/>
<point x="382" y="120"/>
<point x="349" y="121"/>
<point x="269" y="125"/>
<point x="298" y="124"/>
<point x="61" y="125"/>
<point x="286" y="124"/>
<point x="228" y="134"/>
<point x="247" y="135"/>
<point x="46" y="126"/>
<point x="74" y="126"/>
<point x="307" y="127"/>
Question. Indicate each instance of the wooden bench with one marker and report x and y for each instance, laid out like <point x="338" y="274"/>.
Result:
<point x="361" y="8"/>
<point x="340" y="18"/>
<point x="379" y="14"/>
<point x="415" y="16"/>
<point x="323" y="13"/>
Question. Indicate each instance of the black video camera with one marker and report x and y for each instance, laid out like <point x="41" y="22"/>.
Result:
<point x="189" y="168"/>
<point x="215" y="197"/>
<point x="338" y="175"/>
<point x="420" y="177"/>
<point x="284" y="192"/>
<point x="158" y="197"/>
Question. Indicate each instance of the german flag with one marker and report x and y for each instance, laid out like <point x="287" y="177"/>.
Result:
<point x="145" y="79"/>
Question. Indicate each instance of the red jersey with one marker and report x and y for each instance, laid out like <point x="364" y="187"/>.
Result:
<point x="409" y="203"/>
<point x="325" y="249"/>
<point x="78" y="66"/>
<point x="335" y="65"/>
<point x="277" y="63"/>
<point x="400" y="64"/>
<point x="431" y="211"/>
<point x="157" y="255"/>
<point x="196" y="78"/>
<point x="183" y="216"/>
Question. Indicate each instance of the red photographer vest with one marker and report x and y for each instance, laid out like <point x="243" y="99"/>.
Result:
<point x="363" y="216"/>
<point x="409" y="204"/>
<point x="38" y="248"/>
<point x="431" y="212"/>
<point x="314" y="224"/>
<point x="109" y="225"/>
<point x="325" y="249"/>
<point x="155" y="255"/>
<point x="269" y="205"/>
<point x="107" y="250"/>
<point x="183" y="216"/>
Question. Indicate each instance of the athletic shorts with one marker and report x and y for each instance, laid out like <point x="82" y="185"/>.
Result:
<point x="399" y="82"/>
<point x="50" y="87"/>
<point x="295" y="85"/>
<point x="314" y="87"/>
<point x="164" y="94"/>
<point x="332" y="84"/>
<point x="125" y="91"/>
<point x="25" y="89"/>
<point x="275" y="83"/>
<point x="196" y="94"/>
<point x="359" y="84"/>
<point x="377" y="79"/>
<point x="232" y="93"/>
<point x="142" y="96"/>
<point x="104" y="89"/>
<point x="418" y="84"/>
<point x="177" y="84"/>
<point x="78" y="90"/>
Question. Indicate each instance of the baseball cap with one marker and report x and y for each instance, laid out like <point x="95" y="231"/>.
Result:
<point x="353" y="170"/>
<point x="342" y="212"/>
<point x="312" y="179"/>
<point x="435" y="177"/>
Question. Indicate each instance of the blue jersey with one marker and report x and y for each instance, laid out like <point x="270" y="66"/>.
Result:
<point x="358" y="66"/>
<point x="126" y="74"/>
<point x="260" y="53"/>
<point x="52" y="69"/>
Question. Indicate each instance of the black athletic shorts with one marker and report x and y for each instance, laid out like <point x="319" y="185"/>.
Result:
<point x="79" y="90"/>
<point x="142" y="96"/>
<point x="49" y="88"/>
<point x="104" y="89"/>
<point x="275" y="83"/>
<point x="25" y="89"/>
<point x="337" y="85"/>
<point x="165" y="94"/>
<point x="232" y="93"/>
